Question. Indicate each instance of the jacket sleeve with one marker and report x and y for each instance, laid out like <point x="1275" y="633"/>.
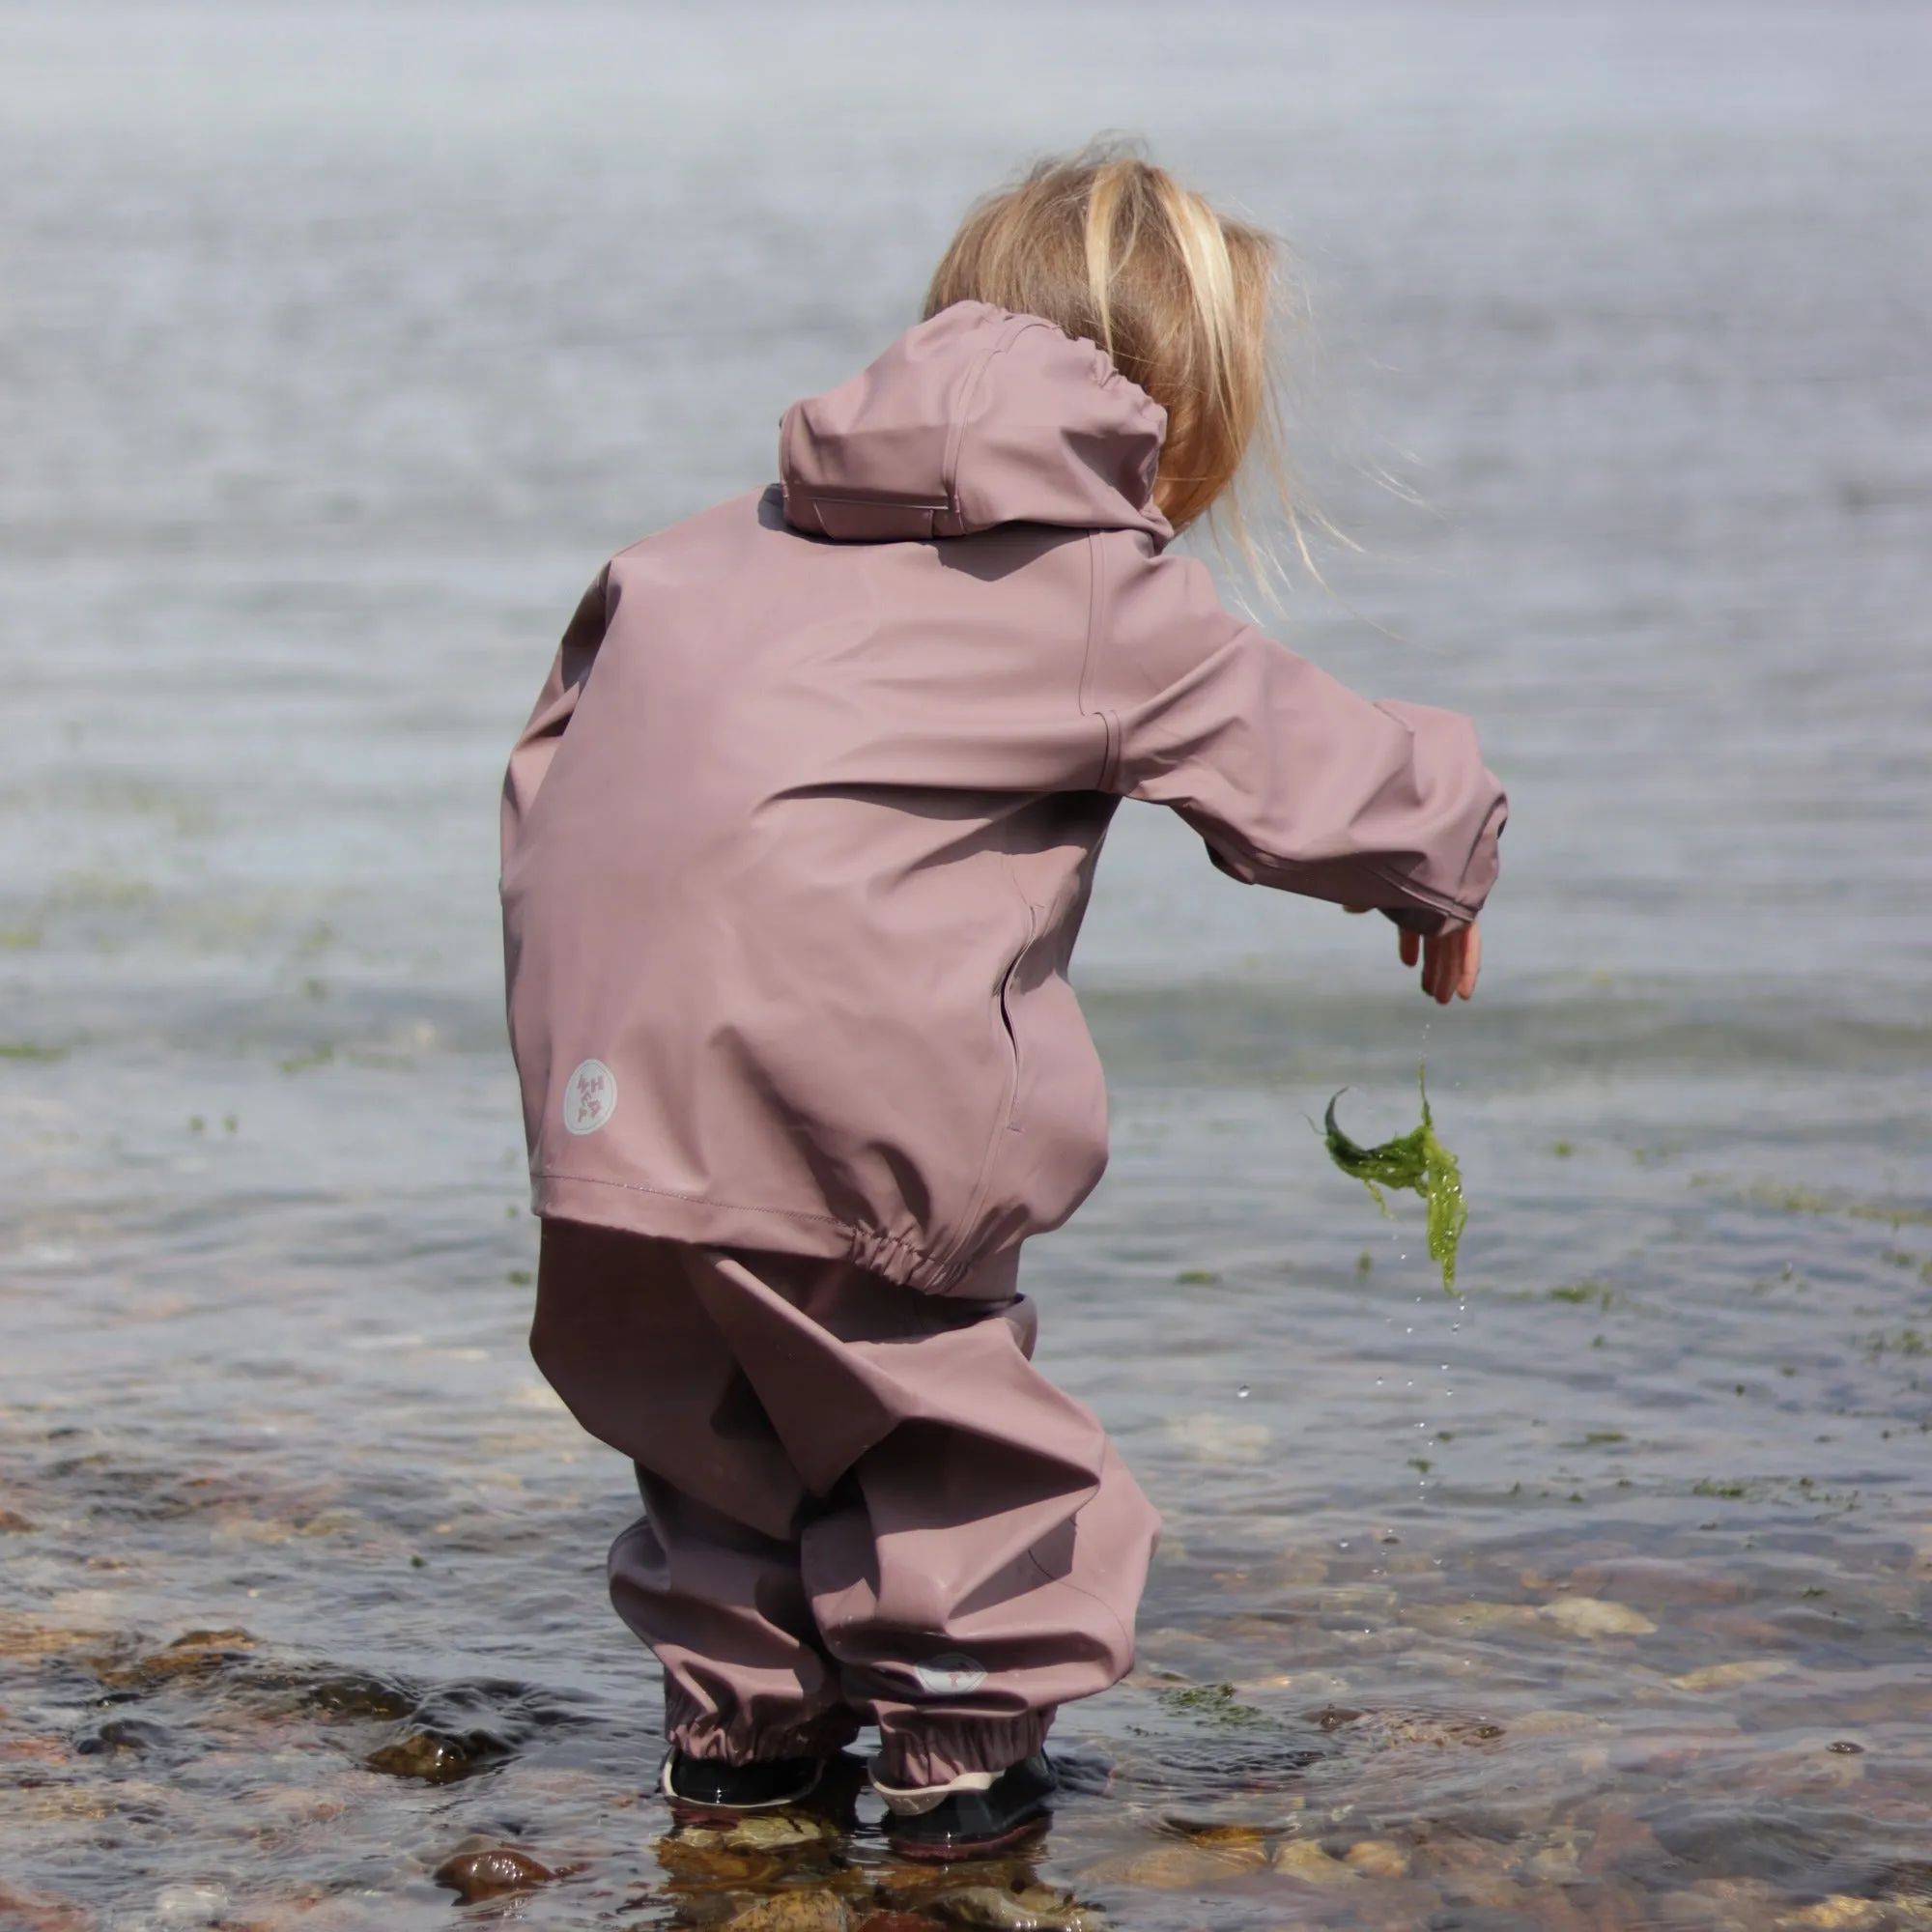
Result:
<point x="530" y="757"/>
<point x="1291" y="778"/>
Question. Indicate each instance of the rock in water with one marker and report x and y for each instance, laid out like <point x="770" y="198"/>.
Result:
<point x="1594" y="1616"/>
<point x="437" y="1757"/>
<point x="1417" y="1161"/>
<point x="496" y="1871"/>
<point x="1306" y="1860"/>
<point x="797" y="1909"/>
<point x="1036" y="1909"/>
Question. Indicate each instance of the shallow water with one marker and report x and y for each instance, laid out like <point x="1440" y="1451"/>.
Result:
<point x="338" y="347"/>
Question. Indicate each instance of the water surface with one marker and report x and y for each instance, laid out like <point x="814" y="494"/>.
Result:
<point x="338" y="348"/>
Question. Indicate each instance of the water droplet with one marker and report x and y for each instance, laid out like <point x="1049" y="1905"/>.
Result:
<point x="1241" y="1393"/>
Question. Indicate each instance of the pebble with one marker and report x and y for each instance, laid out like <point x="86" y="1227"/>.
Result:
<point x="801" y="1909"/>
<point x="716" y="1864"/>
<point x="195" y="1654"/>
<point x="1374" y="1857"/>
<point x="1596" y="1616"/>
<point x="1726" y="1676"/>
<point x="492" y="1871"/>
<point x="123" y="1734"/>
<point x="1467" y="1619"/>
<point x="1181" y="1867"/>
<point x="190" y="1904"/>
<point x="1306" y="1860"/>
<point x="763" y="1832"/>
<point x="433" y="1756"/>
<point x="1036" y="1909"/>
<point x="1837" y="1913"/>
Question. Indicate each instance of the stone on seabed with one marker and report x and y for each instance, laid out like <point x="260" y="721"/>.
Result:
<point x="435" y="1758"/>
<point x="1183" y="1867"/>
<point x="1374" y="1857"/>
<point x="1036" y="1909"/>
<point x="1725" y="1676"/>
<point x="490" y="1871"/>
<point x="1306" y="1860"/>
<point x="1837" y="1913"/>
<point x="1594" y="1616"/>
<point x="799" y="1910"/>
<point x="760" y="1832"/>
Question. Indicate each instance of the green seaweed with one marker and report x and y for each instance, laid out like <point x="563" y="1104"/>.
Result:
<point x="1415" y="1160"/>
<point x="1216" y="1703"/>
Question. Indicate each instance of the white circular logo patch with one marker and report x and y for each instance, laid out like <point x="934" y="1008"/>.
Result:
<point x="955" y="1675"/>
<point x="590" y="1098"/>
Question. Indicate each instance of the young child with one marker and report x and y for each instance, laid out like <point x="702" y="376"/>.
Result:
<point x="796" y="845"/>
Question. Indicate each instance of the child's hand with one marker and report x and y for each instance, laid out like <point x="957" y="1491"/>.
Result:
<point x="1449" y="965"/>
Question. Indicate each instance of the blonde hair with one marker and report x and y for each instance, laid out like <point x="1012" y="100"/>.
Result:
<point x="1107" y="247"/>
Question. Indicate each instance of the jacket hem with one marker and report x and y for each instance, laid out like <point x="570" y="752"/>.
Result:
<point x="631" y="1206"/>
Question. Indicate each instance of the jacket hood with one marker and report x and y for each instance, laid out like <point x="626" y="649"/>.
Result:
<point x="974" y="418"/>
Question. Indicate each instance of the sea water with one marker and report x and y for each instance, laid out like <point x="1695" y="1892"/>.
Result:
<point x="340" y="345"/>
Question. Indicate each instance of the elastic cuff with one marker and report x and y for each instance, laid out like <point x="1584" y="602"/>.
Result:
<point x="929" y="1752"/>
<point x="704" y="1734"/>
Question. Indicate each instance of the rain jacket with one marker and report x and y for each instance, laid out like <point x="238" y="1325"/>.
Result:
<point x="799" y="835"/>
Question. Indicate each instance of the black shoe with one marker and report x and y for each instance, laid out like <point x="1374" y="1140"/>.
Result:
<point x="970" y="1824"/>
<point x="714" y="1787"/>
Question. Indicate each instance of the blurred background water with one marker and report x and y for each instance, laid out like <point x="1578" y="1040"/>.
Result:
<point x="339" y="345"/>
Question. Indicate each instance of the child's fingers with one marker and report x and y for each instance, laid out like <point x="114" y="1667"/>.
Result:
<point x="1410" y="947"/>
<point x="1472" y="960"/>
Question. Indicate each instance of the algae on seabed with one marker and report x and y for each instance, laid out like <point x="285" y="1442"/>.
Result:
<point x="1415" y="1160"/>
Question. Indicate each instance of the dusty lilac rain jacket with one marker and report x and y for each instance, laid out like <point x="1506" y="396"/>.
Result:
<point x="799" y="837"/>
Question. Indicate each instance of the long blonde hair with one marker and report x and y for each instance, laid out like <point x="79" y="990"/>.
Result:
<point x="1107" y="247"/>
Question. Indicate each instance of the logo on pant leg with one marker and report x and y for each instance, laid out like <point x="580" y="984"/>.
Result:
<point x="589" y="1099"/>
<point x="954" y="1674"/>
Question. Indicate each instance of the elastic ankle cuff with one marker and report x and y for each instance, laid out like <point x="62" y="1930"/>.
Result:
<point x="704" y="1735"/>
<point x="932" y="1751"/>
